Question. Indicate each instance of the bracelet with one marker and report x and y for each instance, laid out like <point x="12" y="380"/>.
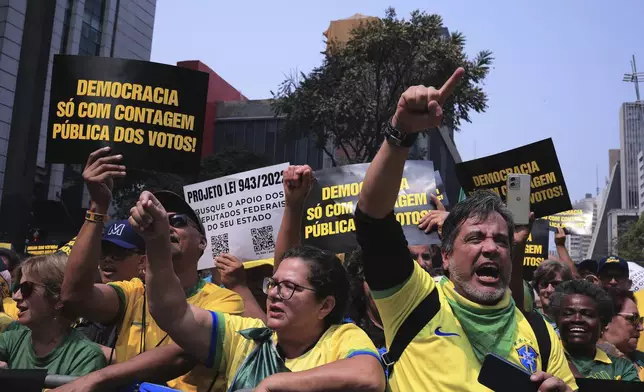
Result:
<point x="96" y="217"/>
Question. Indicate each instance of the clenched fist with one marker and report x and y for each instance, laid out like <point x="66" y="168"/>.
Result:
<point x="149" y="218"/>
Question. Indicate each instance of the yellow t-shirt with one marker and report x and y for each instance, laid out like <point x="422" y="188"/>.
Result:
<point x="5" y="320"/>
<point x="639" y="299"/>
<point x="129" y="343"/>
<point x="440" y="357"/>
<point x="229" y="348"/>
<point x="10" y="308"/>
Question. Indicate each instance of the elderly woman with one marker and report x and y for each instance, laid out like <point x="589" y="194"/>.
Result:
<point x="303" y="345"/>
<point x="546" y="278"/>
<point x="622" y="333"/>
<point x="582" y="310"/>
<point x="45" y="339"/>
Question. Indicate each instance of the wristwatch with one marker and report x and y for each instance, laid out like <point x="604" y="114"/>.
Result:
<point x="398" y="138"/>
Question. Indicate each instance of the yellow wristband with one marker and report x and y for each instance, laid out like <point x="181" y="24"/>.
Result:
<point x="96" y="217"/>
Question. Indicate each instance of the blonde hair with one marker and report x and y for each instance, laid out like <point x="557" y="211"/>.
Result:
<point x="49" y="269"/>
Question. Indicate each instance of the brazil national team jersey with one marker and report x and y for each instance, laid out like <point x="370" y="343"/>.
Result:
<point x="228" y="348"/>
<point x="440" y="357"/>
<point x="129" y="343"/>
<point x="606" y="367"/>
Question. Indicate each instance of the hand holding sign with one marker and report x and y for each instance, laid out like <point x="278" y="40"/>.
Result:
<point x="419" y="107"/>
<point x="298" y="181"/>
<point x="231" y="270"/>
<point x="522" y="232"/>
<point x="98" y="175"/>
<point x="435" y="218"/>
<point x="560" y="237"/>
<point x="149" y="217"/>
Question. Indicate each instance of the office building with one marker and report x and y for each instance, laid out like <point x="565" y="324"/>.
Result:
<point x="252" y="126"/>
<point x="609" y="199"/>
<point x="31" y="33"/>
<point x="631" y="138"/>
<point x="613" y="158"/>
<point x="578" y="244"/>
<point x="640" y="182"/>
<point x="618" y="223"/>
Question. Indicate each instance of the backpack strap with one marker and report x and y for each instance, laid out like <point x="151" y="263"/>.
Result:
<point x="413" y="324"/>
<point x="540" y="329"/>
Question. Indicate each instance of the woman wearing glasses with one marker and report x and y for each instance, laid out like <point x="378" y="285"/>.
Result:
<point x="546" y="278"/>
<point x="621" y="334"/>
<point x="302" y="346"/>
<point x="45" y="338"/>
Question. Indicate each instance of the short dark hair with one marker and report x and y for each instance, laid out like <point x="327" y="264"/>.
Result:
<point x="479" y="205"/>
<point x="583" y="287"/>
<point x="327" y="276"/>
<point x="548" y="269"/>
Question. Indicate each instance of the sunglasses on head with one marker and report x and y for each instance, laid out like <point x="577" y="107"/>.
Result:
<point x="26" y="288"/>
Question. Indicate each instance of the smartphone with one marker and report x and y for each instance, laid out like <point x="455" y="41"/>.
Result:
<point x="518" y="197"/>
<point x="500" y="375"/>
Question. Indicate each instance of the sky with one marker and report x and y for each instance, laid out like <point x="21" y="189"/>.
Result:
<point x="557" y="72"/>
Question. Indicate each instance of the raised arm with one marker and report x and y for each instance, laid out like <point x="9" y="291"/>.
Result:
<point x="80" y="296"/>
<point x="564" y="257"/>
<point x="297" y="185"/>
<point x="189" y="326"/>
<point x="158" y="365"/>
<point x="379" y="234"/>
<point x="360" y="373"/>
<point x="521" y="235"/>
<point x="233" y="276"/>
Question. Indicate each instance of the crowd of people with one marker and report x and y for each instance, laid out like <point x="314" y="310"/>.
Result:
<point x="128" y="304"/>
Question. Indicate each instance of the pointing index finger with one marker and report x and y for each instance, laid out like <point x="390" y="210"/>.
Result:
<point x="450" y="85"/>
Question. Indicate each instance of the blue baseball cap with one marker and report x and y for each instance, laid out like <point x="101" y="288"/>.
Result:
<point x="121" y="234"/>
<point x="613" y="262"/>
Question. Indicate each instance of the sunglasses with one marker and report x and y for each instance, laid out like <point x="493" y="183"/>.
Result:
<point x="26" y="288"/>
<point x="635" y="319"/>
<point x="180" y="220"/>
<point x="119" y="255"/>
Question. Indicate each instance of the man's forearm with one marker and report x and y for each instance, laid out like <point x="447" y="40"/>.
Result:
<point x="166" y="297"/>
<point x="289" y="234"/>
<point x="361" y="373"/>
<point x="516" y="280"/>
<point x="158" y="366"/>
<point x="566" y="259"/>
<point x="382" y="181"/>
<point x="81" y="266"/>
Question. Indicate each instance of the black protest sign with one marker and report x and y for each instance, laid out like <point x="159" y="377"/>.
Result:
<point x="549" y="194"/>
<point x="328" y="213"/>
<point x="441" y="193"/>
<point x="41" y="248"/>
<point x="578" y="221"/>
<point x="151" y="113"/>
<point x="536" y="249"/>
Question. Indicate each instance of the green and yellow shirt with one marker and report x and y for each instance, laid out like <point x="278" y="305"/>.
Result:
<point x="606" y="367"/>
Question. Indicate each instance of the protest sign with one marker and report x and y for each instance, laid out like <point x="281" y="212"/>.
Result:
<point x="578" y="221"/>
<point x="549" y="194"/>
<point x="241" y="213"/>
<point x="151" y="113"/>
<point x="536" y="248"/>
<point x="328" y="212"/>
<point x="67" y="248"/>
<point x="636" y="274"/>
<point x="39" y="249"/>
<point x="441" y="192"/>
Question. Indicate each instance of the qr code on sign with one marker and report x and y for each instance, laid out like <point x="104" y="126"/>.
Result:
<point x="263" y="239"/>
<point x="219" y="244"/>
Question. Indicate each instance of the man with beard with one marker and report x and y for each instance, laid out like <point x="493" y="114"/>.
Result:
<point x="144" y="352"/>
<point x="475" y="313"/>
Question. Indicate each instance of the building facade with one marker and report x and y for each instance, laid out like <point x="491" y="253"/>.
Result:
<point x="578" y="244"/>
<point x="31" y="33"/>
<point x="631" y="138"/>
<point x="619" y="221"/>
<point x="640" y="182"/>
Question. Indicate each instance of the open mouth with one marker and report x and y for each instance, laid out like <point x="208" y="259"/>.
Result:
<point x="174" y="239"/>
<point x="275" y="310"/>
<point x="577" y="331"/>
<point x="488" y="273"/>
<point x="21" y="309"/>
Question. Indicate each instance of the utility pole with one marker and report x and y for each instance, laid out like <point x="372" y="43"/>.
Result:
<point x="634" y="77"/>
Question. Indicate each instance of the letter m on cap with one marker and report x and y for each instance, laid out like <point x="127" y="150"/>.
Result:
<point x="116" y="229"/>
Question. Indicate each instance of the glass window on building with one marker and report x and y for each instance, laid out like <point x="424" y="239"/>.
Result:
<point x="90" y="42"/>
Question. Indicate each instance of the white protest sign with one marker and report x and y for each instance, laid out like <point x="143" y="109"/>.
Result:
<point x="636" y="273"/>
<point x="241" y="213"/>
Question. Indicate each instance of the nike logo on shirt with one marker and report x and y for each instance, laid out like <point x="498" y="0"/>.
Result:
<point x="438" y="332"/>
